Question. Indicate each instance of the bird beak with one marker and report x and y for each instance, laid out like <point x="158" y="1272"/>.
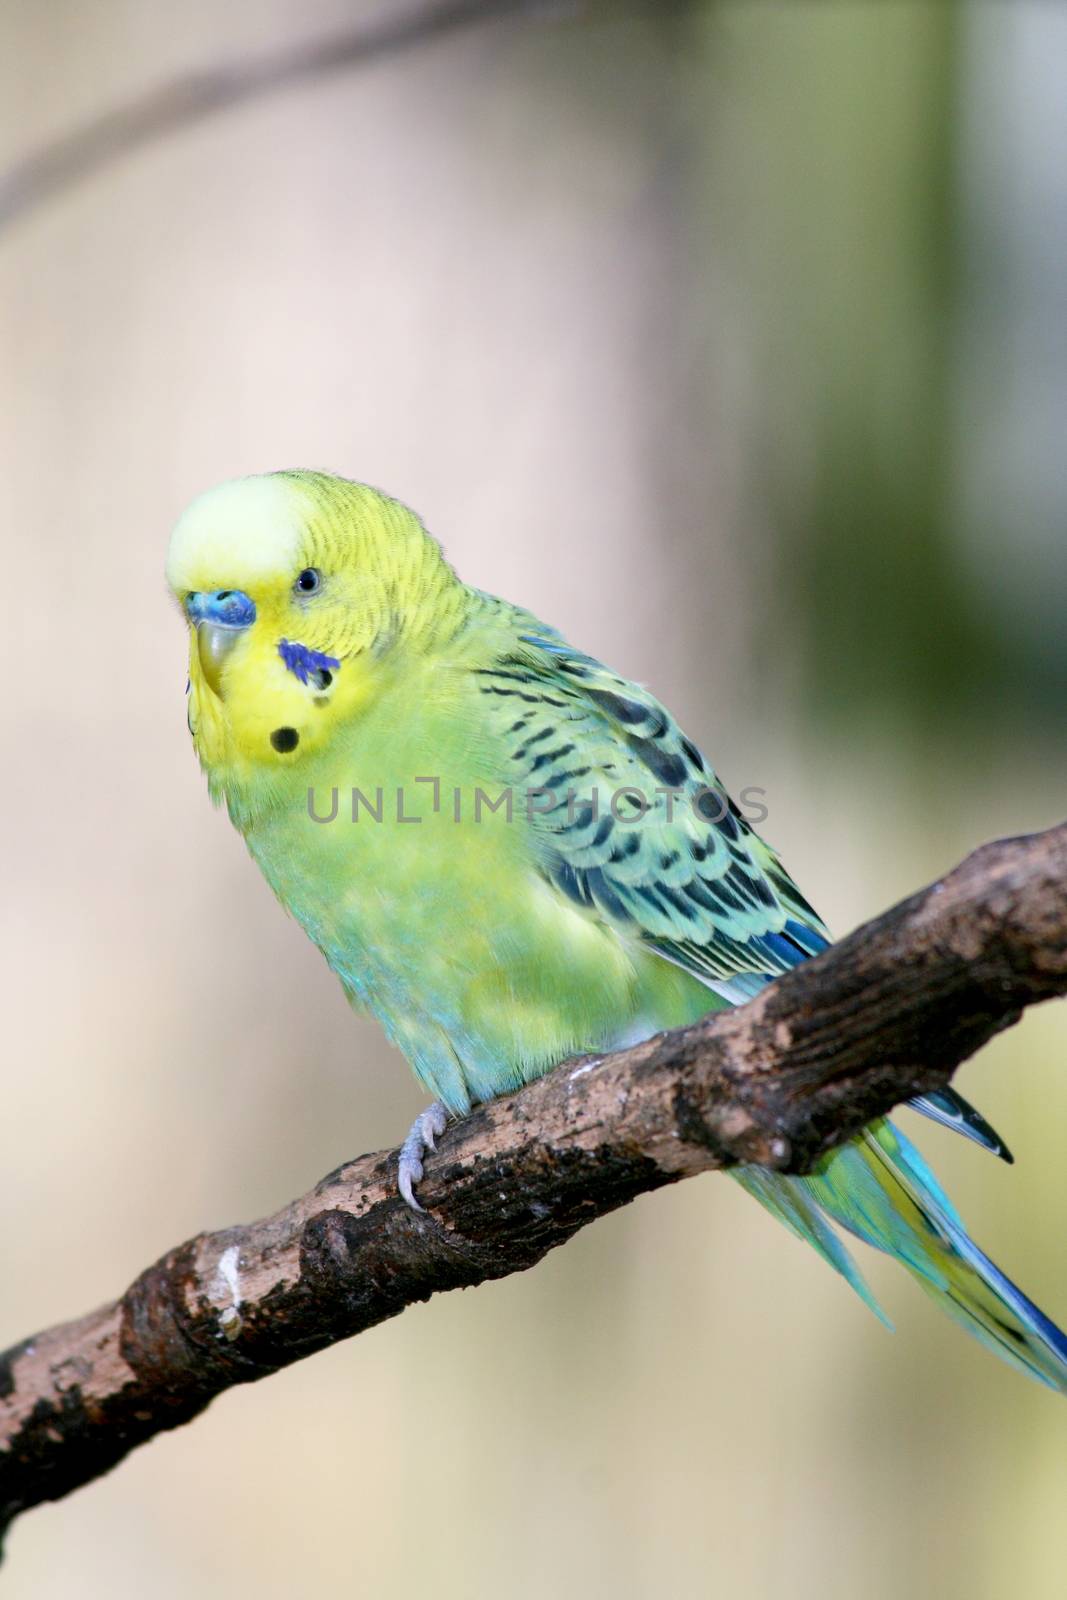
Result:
<point x="220" y="617"/>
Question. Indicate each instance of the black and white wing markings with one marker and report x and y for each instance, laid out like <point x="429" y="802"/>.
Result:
<point x="635" y="827"/>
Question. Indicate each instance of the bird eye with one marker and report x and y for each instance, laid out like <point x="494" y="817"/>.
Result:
<point x="308" y="581"/>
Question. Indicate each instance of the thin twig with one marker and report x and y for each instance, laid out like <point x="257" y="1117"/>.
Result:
<point x="192" y="98"/>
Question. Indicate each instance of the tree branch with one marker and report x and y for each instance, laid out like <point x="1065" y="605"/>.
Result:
<point x="195" y="96"/>
<point x="884" y="1015"/>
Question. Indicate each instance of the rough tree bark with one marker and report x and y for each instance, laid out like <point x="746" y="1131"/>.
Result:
<point x="887" y="1013"/>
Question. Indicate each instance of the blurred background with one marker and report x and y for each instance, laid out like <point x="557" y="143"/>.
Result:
<point x="731" y="339"/>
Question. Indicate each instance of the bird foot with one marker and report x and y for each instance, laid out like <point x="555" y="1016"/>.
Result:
<point x="425" y="1131"/>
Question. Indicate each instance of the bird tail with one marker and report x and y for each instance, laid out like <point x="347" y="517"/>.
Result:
<point x="881" y="1190"/>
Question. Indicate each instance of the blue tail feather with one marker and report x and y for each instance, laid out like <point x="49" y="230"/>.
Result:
<point x="880" y="1189"/>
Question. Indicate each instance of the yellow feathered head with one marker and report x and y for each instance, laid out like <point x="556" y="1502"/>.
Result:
<point x="302" y="592"/>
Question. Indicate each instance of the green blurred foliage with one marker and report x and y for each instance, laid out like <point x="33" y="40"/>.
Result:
<point x="832" y="178"/>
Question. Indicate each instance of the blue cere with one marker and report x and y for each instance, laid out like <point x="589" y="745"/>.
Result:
<point x="227" y="608"/>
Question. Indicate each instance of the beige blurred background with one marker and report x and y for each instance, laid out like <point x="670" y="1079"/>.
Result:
<point x="730" y="339"/>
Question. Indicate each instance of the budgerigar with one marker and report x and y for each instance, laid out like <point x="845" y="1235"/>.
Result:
<point x="508" y="853"/>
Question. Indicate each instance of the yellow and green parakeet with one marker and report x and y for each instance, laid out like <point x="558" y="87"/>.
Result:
<point x="508" y="853"/>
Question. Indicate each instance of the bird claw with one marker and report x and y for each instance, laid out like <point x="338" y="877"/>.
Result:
<point x="425" y="1131"/>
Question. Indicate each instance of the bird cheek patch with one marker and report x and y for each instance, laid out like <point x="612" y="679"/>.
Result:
<point x="310" y="667"/>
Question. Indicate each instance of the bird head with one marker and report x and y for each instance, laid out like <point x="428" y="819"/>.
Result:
<point x="303" y="594"/>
